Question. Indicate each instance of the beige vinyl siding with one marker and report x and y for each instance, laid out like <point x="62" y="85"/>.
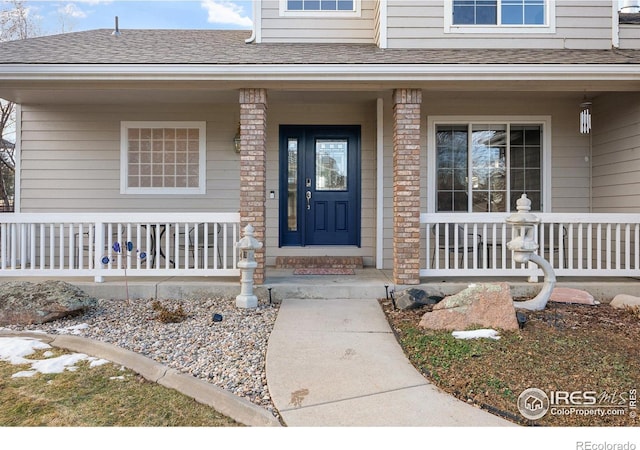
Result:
<point x="616" y="153"/>
<point x="276" y="28"/>
<point x="413" y="24"/>
<point x="630" y="36"/>
<point x="361" y="113"/>
<point x="71" y="158"/>
<point x="569" y="170"/>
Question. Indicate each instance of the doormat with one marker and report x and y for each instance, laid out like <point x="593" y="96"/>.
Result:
<point x="324" y="271"/>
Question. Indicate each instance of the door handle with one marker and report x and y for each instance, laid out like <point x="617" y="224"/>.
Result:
<point x="308" y="196"/>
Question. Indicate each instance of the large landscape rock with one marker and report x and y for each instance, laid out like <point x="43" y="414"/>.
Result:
<point x="569" y="295"/>
<point x="23" y="303"/>
<point x="482" y="305"/>
<point x="417" y="298"/>
<point x="622" y="301"/>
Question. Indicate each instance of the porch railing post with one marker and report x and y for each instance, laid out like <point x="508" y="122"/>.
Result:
<point x="99" y="245"/>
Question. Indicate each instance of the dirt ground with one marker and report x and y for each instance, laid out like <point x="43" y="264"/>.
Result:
<point x="585" y="358"/>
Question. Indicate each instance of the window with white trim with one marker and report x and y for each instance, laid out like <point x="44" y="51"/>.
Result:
<point x="332" y="8"/>
<point x="510" y="16"/>
<point x="163" y="158"/>
<point x="486" y="167"/>
<point x="320" y="5"/>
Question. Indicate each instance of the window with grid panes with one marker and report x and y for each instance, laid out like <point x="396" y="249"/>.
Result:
<point x="499" y="12"/>
<point x="487" y="167"/>
<point x="163" y="157"/>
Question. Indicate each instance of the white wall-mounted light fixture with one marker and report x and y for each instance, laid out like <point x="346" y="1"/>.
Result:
<point x="585" y="117"/>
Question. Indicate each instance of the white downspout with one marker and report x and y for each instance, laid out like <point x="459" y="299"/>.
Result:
<point x="383" y="24"/>
<point x="615" y="26"/>
<point x="256" y="33"/>
<point x="17" y="155"/>
<point x="380" y="184"/>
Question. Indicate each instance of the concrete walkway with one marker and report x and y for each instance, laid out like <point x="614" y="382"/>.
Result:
<point x="337" y="363"/>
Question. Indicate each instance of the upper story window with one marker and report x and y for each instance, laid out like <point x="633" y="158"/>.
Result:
<point x="320" y="5"/>
<point x="327" y="8"/>
<point x="498" y="12"/>
<point x="163" y="158"/>
<point x="500" y="16"/>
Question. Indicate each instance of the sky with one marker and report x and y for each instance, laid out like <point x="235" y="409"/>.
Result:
<point x="55" y="16"/>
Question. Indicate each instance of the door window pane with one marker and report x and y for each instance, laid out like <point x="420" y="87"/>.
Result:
<point x="331" y="165"/>
<point x="292" y="184"/>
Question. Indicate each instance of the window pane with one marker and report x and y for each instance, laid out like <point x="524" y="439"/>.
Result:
<point x="486" y="13"/>
<point x="329" y="5"/>
<point x="460" y="201"/>
<point x="488" y="167"/>
<point x="452" y="167"/>
<point x="526" y="164"/>
<point x="445" y="179"/>
<point x="475" y="12"/>
<point x="294" y="5"/>
<point x="480" y="201"/>
<point x="331" y="165"/>
<point x="512" y="14"/>
<point x="445" y="201"/>
<point x="534" y="12"/>
<point x="345" y="5"/>
<point x="463" y="13"/>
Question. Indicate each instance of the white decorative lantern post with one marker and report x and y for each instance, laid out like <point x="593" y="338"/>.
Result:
<point x="524" y="248"/>
<point x="247" y="265"/>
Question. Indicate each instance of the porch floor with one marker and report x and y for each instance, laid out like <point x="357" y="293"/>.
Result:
<point x="366" y="283"/>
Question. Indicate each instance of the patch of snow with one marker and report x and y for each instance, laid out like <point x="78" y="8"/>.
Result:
<point x="99" y="362"/>
<point x="475" y="334"/>
<point x="15" y="350"/>
<point x="75" y="329"/>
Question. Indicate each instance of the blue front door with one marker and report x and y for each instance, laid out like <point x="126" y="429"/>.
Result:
<point x="319" y="185"/>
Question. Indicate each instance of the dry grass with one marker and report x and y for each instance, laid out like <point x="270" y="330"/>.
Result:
<point x="101" y="396"/>
<point x="563" y="348"/>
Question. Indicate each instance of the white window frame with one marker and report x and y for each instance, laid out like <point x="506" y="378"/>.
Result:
<point x="434" y="121"/>
<point x="548" y="27"/>
<point x="124" y="158"/>
<point x="356" y="12"/>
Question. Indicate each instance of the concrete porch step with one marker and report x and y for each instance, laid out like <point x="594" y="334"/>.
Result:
<point x="319" y="262"/>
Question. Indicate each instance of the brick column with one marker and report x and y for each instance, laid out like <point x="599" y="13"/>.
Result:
<point x="406" y="185"/>
<point x="253" y="168"/>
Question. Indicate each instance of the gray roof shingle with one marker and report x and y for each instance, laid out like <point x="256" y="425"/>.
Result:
<point x="229" y="47"/>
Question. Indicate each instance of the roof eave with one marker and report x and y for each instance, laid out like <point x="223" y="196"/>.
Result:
<point x="315" y="72"/>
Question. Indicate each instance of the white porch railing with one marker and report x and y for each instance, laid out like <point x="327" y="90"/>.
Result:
<point x="602" y="245"/>
<point x="75" y="245"/>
